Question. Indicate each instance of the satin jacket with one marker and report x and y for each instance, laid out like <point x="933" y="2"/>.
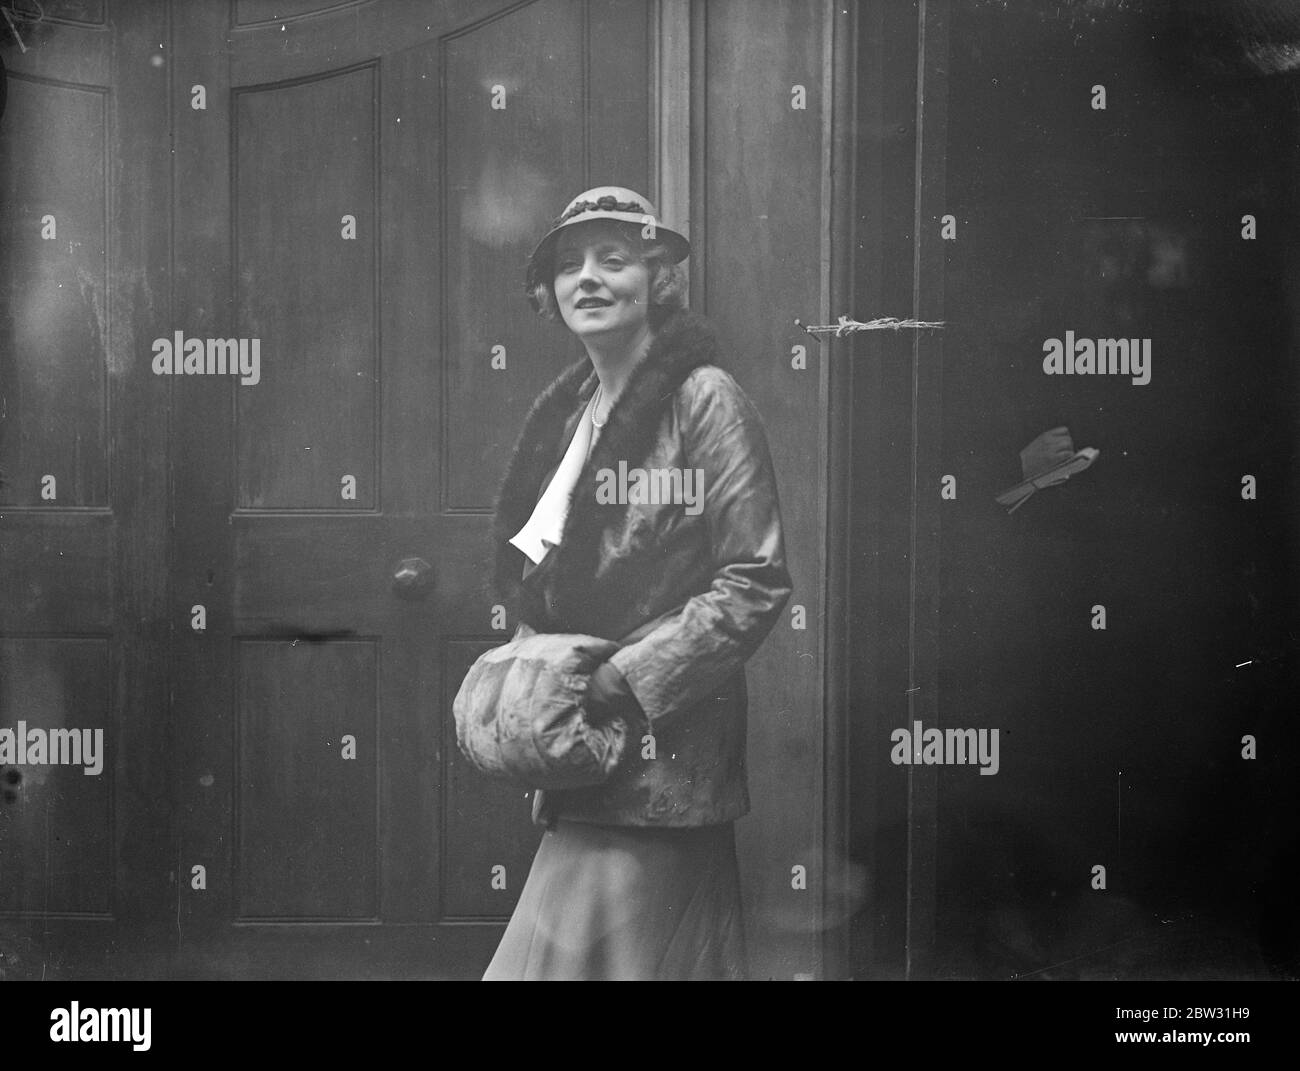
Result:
<point x="692" y="566"/>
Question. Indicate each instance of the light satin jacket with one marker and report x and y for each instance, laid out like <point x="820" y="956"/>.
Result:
<point x="697" y="590"/>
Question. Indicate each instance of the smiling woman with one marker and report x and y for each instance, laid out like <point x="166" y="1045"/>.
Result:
<point x="636" y="237"/>
<point x="636" y="876"/>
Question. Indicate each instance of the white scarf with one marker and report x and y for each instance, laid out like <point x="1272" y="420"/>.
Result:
<point x="546" y="525"/>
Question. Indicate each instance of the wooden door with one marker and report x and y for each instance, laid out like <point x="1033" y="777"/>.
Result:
<point x="85" y="870"/>
<point x="358" y="192"/>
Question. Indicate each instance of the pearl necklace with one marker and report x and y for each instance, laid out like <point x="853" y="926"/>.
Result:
<point x="596" y="405"/>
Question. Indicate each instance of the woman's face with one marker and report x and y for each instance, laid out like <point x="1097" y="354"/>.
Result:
<point x="601" y="285"/>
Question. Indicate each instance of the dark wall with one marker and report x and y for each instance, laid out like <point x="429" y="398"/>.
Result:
<point x="1119" y="747"/>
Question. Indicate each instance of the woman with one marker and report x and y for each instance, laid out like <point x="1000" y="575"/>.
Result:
<point x="685" y="566"/>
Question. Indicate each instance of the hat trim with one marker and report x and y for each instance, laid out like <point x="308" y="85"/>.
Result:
<point x="603" y="204"/>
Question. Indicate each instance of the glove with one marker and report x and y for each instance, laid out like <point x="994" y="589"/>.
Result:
<point x="609" y="695"/>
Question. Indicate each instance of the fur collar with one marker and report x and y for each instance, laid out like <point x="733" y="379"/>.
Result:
<point x="683" y="343"/>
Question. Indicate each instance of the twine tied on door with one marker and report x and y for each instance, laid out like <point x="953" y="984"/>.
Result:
<point x="845" y="326"/>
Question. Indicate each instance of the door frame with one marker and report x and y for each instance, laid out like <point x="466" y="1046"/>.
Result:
<point x="886" y="437"/>
<point x="679" y="131"/>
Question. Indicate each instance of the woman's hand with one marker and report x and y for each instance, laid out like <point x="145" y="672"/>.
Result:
<point x="609" y="695"/>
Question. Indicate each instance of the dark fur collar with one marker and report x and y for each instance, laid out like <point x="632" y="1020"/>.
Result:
<point x="682" y="344"/>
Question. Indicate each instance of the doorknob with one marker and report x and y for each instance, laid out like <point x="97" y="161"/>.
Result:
<point x="412" y="579"/>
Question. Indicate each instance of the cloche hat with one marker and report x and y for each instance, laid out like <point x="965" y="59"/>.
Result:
<point x="603" y="202"/>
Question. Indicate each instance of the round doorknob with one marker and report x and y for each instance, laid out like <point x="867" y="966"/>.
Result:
<point x="413" y="578"/>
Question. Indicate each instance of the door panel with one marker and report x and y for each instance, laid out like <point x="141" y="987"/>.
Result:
<point x="54" y="257"/>
<point x="306" y="167"/>
<point x="56" y="837"/>
<point x="307" y="840"/>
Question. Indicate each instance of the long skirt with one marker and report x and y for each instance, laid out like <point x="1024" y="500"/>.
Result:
<point x="629" y="903"/>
